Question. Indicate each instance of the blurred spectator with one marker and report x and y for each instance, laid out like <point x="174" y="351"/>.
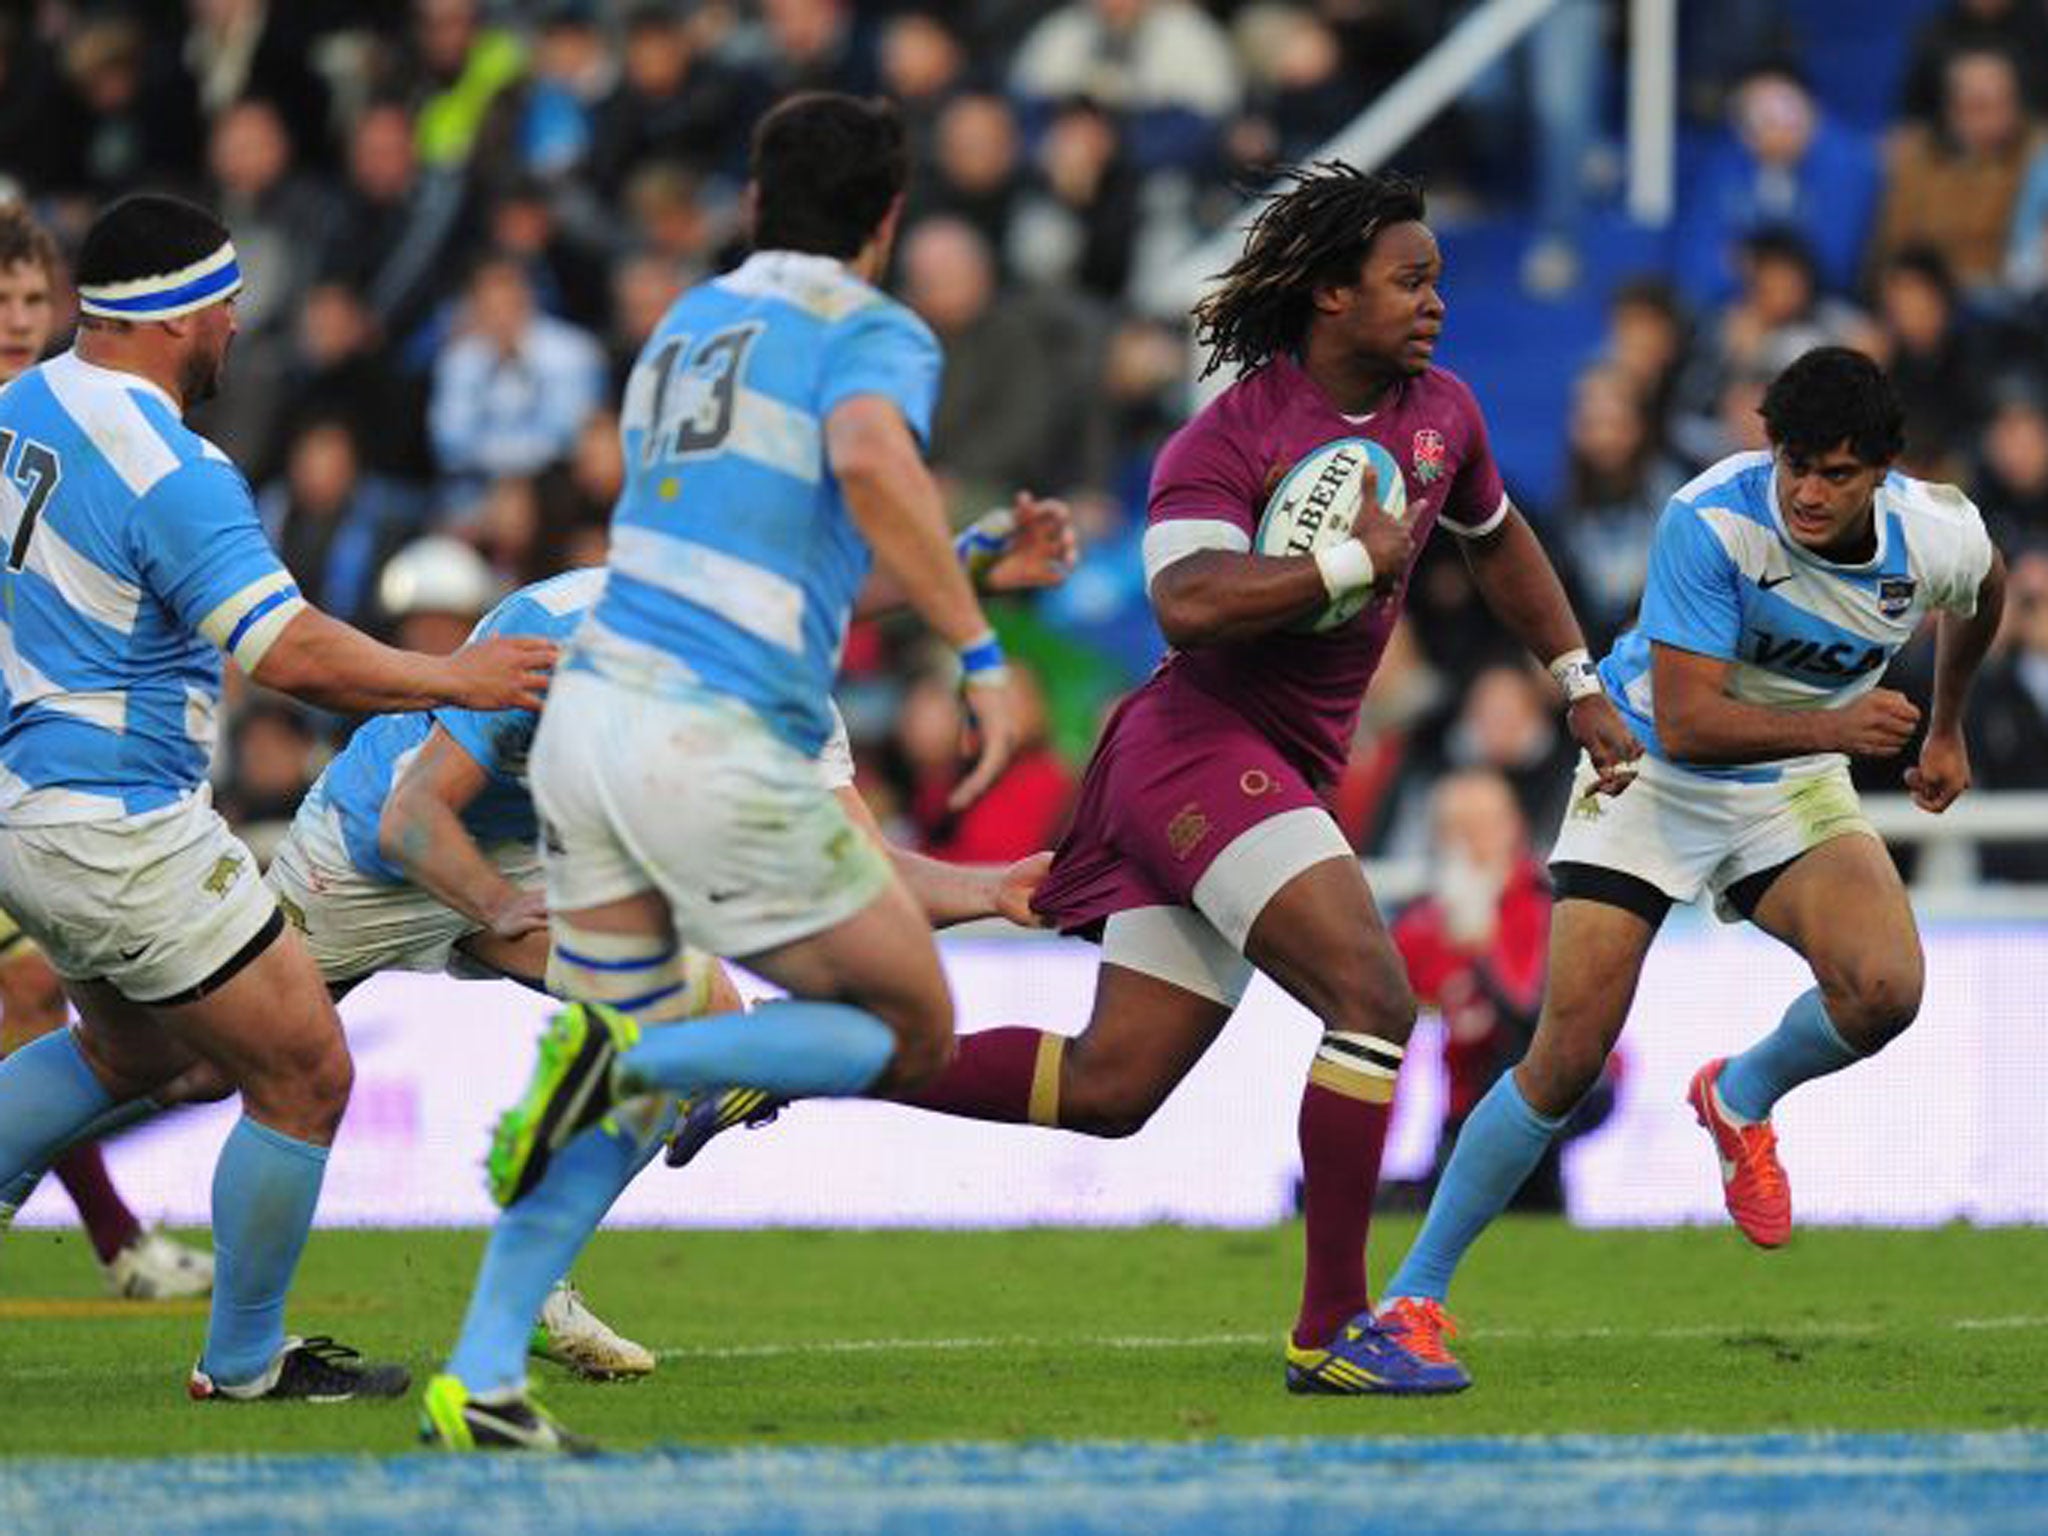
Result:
<point x="672" y="104"/>
<point x="43" y="127"/>
<point x="1507" y="722"/>
<point x="2008" y="713"/>
<point x="644" y="285"/>
<point x="2026" y="243"/>
<point x="1163" y="66"/>
<point x="433" y="591"/>
<point x="1954" y="186"/>
<point x="1004" y="384"/>
<point x="2015" y="28"/>
<point x="1301" y="88"/>
<point x="1617" y="479"/>
<point x="142" y="116"/>
<point x="573" y="71"/>
<point x="1783" y="165"/>
<point x="975" y="170"/>
<point x="1649" y="337"/>
<point x="333" y="523"/>
<point x="923" y="65"/>
<point x="569" y="278"/>
<point x="1930" y="359"/>
<point x="1077" y="223"/>
<point x="341" y="371"/>
<point x="815" y="45"/>
<point x="674" y="218"/>
<point x="459" y="75"/>
<point x="1406" y="693"/>
<point x="282" y="222"/>
<point x="273" y="758"/>
<point x="398" y="223"/>
<point x="1476" y="950"/>
<point x="239" y="49"/>
<point x="2011" y="484"/>
<point x="1025" y="810"/>
<point x="1782" y="310"/>
<point x="515" y="387"/>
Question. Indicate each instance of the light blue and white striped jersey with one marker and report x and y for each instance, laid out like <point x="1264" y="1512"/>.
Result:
<point x="732" y="553"/>
<point x="133" y="558"/>
<point x="358" y="782"/>
<point x="1727" y="581"/>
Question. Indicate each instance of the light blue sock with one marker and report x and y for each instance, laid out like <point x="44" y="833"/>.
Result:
<point x="1503" y="1139"/>
<point x="108" y="1121"/>
<point x="532" y="1247"/>
<point x="264" y="1189"/>
<point x="795" y="1049"/>
<point x="1805" y="1045"/>
<point x="47" y="1096"/>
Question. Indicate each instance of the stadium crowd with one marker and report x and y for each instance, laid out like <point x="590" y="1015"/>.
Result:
<point x="460" y="219"/>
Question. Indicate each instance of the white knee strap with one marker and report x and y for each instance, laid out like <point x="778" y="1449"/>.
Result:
<point x="656" y="979"/>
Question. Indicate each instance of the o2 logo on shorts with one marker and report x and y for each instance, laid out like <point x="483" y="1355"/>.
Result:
<point x="1255" y="782"/>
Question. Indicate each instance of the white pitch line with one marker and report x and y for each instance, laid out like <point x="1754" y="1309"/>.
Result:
<point x="1747" y="1329"/>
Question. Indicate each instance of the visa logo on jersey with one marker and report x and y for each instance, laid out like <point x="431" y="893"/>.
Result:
<point x="1831" y="663"/>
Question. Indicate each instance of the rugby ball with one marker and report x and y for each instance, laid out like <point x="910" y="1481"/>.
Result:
<point x="1318" y="500"/>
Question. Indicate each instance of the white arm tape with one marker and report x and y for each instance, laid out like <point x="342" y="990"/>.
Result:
<point x="1346" y="567"/>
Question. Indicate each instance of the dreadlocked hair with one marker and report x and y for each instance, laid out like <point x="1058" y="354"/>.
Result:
<point x="1314" y="232"/>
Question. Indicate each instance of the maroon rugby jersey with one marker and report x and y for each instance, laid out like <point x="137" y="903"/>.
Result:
<point x="1302" y="691"/>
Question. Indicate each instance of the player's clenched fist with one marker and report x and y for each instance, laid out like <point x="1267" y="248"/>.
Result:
<point x="502" y="672"/>
<point x="1386" y="538"/>
<point x="1877" y="725"/>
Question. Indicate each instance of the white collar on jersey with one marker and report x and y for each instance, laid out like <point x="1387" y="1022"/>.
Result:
<point x="117" y="378"/>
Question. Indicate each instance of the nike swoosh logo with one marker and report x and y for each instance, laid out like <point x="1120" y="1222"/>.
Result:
<point x="1765" y="583"/>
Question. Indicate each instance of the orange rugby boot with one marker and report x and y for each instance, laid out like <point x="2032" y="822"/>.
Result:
<point x="1752" y="1179"/>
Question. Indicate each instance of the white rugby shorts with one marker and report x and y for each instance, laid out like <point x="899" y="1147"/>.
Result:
<point x="356" y="926"/>
<point x="1685" y="832"/>
<point x="155" y="905"/>
<point x="689" y="793"/>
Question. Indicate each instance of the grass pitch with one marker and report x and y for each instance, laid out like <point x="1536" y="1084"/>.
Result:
<point x="798" y="1337"/>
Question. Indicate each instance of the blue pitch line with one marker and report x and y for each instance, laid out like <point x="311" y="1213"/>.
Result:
<point x="1582" y="1485"/>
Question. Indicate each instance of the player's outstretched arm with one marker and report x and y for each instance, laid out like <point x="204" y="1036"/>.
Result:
<point x="1024" y="547"/>
<point x="326" y="662"/>
<point x="1520" y="585"/>
<point x="1698" y="722"/>
<point x="1960" y="643"/>
<point x="955" y="893"/>
<point x="897" y="508"/>
<point x="421" y="832"/>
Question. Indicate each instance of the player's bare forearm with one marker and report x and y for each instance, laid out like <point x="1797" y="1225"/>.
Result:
<point x="430" y="844"/>
<point x="1515" y="577"/>
<point x="421" y="831"/>
<point x="949" y="893"/>
<point x="1218" y="595"/>
<point x="895" y="504"/>
<point x="1698" y="722"/>
<point x="323" y="661"/>
<point x="1959" y="648"/>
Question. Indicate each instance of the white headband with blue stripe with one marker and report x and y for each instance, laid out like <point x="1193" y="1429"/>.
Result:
<point x="168" y="295"/>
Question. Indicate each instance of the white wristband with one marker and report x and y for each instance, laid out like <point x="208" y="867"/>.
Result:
<point x="1346" y="567"/>
<point x="1576" y="675"/>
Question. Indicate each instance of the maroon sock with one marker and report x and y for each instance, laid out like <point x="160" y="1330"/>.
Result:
<point x="1341" y="1140"/>
<point x="1012" y="1075"/>
<point x="108" y="1221"/>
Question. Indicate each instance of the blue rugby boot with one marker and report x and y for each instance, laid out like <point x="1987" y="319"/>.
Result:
<point x="709" y="1115"/>
<point x="1368" y="1356"/>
